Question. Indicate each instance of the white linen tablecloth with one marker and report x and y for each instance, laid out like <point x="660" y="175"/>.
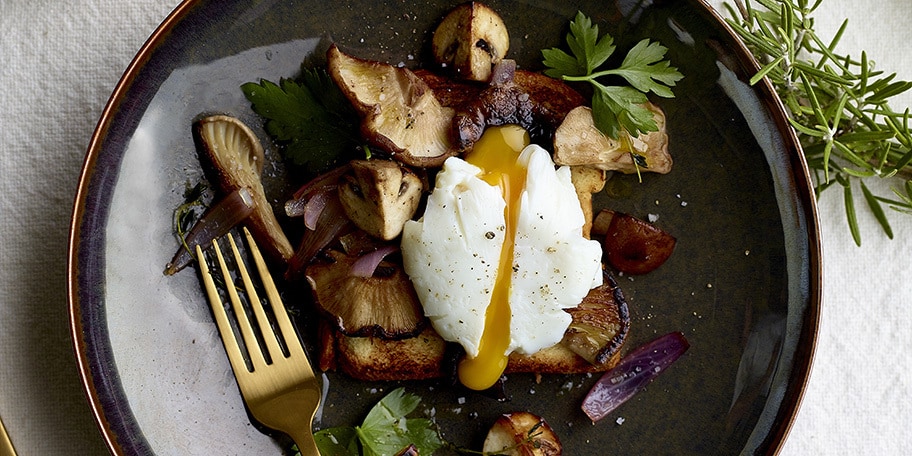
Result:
<point x="60" y="60"/>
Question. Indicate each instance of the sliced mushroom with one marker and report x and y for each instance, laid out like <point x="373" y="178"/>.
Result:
<point x="379" y="196"/>
<point x="399" y="112"/>
<point x="382" y="305"/>
<point x="634" y="246"/>
<point x="522" y="434"/>
<point x="236" y="158"/>
<point x="577" y="141"/>
<point x="470" y="40"/>
<point x="600" y="325"/>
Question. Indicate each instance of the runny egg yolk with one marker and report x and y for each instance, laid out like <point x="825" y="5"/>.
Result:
<point x="496" y="153"/>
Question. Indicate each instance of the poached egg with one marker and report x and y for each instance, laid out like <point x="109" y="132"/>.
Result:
<point x="499" y="253"/>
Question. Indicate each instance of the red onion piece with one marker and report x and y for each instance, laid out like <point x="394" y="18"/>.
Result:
<point x="366" y="264"/>
<point x="329" y="225"/>
<point x="316" y="204"/>
<point x="636" y="370"/>
<point x="295" y="207"/>
<point x="215" y="222"/>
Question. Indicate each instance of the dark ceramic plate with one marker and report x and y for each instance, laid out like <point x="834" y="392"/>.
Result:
<point x="743" y="284"/>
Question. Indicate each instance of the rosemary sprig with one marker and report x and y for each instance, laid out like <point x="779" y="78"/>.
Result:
<point x="837" y="104"/>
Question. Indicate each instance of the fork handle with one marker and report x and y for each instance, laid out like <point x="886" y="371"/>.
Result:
<point x="305" y="441"/>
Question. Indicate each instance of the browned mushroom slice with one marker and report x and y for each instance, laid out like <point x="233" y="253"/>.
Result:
<point x="236" y="158"/>
<point x="600" y="324"/>
<point x="399" y="112"/>
<point x="535" y="102"/>
<point x="470" y="40"/>
<point x="634" y="246"/>
<point x="379" y="196"/>
<point x="382" y="305"/>
<point x="522" y="434"/>
<point x="577" y="141"/>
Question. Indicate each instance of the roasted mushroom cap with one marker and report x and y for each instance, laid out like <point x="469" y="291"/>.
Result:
<point x="600" y="324"/>
<point x="399" y="112"/>
<point x="382" y="305"/>
<point x="533" y="101"/>
<point x="379" y="196"/>
<point x="522" y="434"/>
<point x="470" y="40"/>
<point x="236" y="158"/>
<point x="577" y="141"/>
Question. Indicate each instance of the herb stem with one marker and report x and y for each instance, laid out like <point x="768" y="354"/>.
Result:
<point x="837" y="104"/>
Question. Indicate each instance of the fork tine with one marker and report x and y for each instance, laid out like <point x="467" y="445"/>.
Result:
<point x="232" y="347"/>
<point x="286" y="330"/>
<point x="269" y="337"/>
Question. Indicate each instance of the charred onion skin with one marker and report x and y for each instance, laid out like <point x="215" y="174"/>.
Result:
<point x="221" y="217"/>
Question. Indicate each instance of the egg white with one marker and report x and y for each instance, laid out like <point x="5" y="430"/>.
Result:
<point x="452" y="254"/>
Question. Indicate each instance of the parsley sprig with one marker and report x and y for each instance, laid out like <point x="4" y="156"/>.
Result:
<point x="838" y="104"/>
<point x="385" y="431"/>
<point x="310" y="118"/>
<point x="616" y="109"/>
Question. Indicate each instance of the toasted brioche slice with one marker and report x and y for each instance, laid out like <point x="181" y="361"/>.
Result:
<point x="602" y="319"/>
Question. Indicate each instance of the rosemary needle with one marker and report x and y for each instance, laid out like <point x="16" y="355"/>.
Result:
<point x="838" y="104"/>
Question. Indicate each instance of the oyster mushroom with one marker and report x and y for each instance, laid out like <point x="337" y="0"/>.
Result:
<point x="379" y="196"/>
<point x="381" y="305"/>
<point x="236" y="158"/>
<point x="399" y="113"/>
<point x="522" y="434"/>
<point x="470" y="40"/>
<point x="577" y="141"/>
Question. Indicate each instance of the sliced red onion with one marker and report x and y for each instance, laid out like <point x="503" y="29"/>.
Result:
<point x="366" y="264"/>
<point x="636" y="370"/>
<point x="215" y="222"/>
<point x="316" y="204"/>
<point x="331" y="222"/>
<point x="296" y="206"/>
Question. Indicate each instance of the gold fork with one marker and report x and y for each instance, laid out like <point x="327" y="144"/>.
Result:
<point x="6" y="445"/>
<point x="279" y="386"/>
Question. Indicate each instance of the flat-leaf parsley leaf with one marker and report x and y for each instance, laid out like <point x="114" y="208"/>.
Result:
<point x="309" y="118"/>
<point x="385" y="431"/>
<point x="615" y="109"/>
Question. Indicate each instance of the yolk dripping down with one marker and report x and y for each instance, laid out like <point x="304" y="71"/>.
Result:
<point x="496" y="154"/>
